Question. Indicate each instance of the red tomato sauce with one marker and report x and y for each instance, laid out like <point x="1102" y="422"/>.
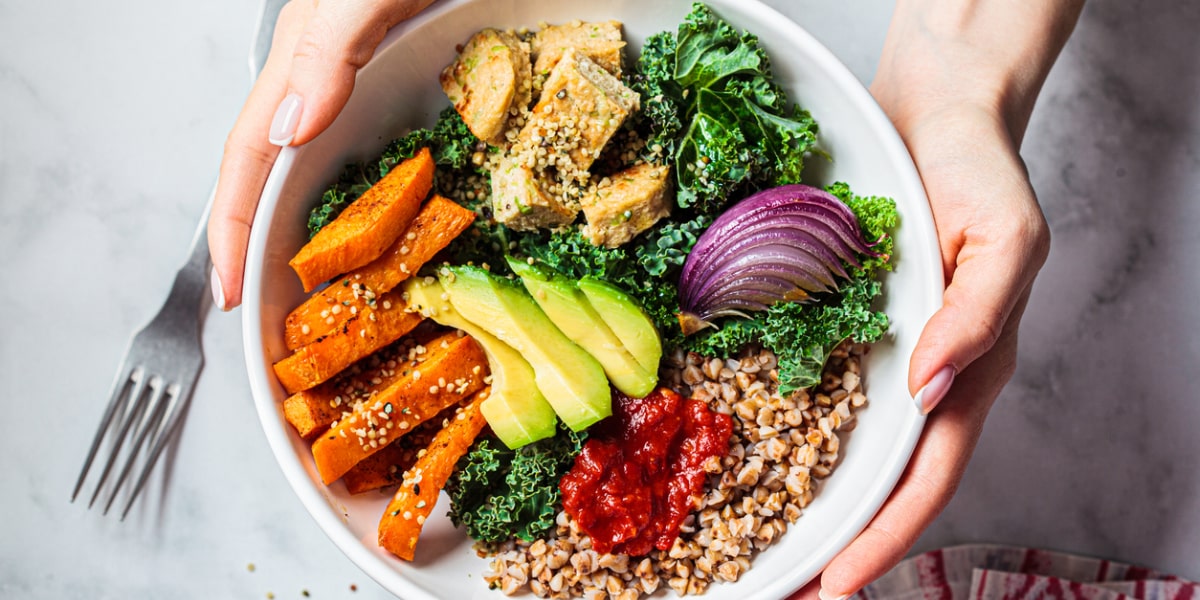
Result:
<point x="634" y="482"/>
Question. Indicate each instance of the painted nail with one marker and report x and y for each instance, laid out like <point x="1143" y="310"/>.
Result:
<point x="218" y="291"/>
<point x="287" y="118"/>
<point x="933" y="392"/>
<point x="823" y="595"/>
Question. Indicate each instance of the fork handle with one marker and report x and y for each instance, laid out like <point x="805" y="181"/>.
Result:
<point x="189" y="289"/>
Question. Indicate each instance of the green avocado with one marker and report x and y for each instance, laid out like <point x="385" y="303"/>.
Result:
<point x="570" y="310"/>
<point x="627" y="321"/>
<point x="570" y="379"/>
<point x="516" y="410"/>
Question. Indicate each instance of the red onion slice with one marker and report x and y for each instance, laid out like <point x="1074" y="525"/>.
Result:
<point x="784" y="244"/>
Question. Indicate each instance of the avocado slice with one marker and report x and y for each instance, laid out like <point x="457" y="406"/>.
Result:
<point x="626" y="319"/>
<point x="516" y="410"/>
<point x="570" y="379"/>
<point x="570" y="310"/>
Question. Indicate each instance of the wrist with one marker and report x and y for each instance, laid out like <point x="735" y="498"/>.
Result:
<point x="982" y="54"/>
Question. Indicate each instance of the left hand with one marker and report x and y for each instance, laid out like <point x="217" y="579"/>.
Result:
<point x="316" y="52"/>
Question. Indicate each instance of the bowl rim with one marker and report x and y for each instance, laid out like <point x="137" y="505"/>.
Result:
<point x="278" y="434"/>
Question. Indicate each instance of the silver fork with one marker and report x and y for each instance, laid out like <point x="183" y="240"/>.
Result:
<point x="154" y="383"/>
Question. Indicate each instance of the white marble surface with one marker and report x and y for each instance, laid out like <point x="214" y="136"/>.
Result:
<point x="112" y="123"/>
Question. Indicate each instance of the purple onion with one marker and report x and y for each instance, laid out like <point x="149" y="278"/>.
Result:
<point x="784" y="244"/>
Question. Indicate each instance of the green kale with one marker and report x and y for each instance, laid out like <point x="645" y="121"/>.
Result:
<point x="711" y="105"/>
<point x="803" y="335"/>
<point x="499" y="494"/>
<point x="451" y="143"/>
<point x="652" y="79"/>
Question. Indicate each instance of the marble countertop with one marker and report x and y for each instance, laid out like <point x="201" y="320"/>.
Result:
<point x="114" y="115"/>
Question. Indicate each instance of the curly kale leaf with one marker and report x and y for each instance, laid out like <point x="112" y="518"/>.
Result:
<point x="500" y="494"/>
<point x="715" y="156"/>
<point x="665" y="249"/>
<point x="878" y="218"/>
<point x="653" y="80"/>
<point x="708" y="50"/>
<point x="451" y="143"/>
<point x="712" y="104"/>
<point x="803" y="335"/>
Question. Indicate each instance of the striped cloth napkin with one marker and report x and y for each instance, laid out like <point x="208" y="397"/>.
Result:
<point x="989" y="572"/>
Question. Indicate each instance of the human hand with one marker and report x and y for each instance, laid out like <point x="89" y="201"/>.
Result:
<point x="317" y="49"/>
<point x="993" y="241"/>
<point x="959" y="83"/>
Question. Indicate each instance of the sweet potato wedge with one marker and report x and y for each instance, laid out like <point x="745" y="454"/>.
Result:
<point x="369" y="225"/>
<point x="439" y="221"/>
<point x="457" y="367"/>
<point x="418" y="492"/>
<point x="358" y="337"/>
<point x="312" y="411"/>
<point x="387" y="466"/>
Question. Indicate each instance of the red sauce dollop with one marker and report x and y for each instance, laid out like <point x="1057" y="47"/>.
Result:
<point x="634" y="481"/>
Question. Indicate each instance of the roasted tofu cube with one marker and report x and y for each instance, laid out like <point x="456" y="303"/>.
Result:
<point x="521" y="200"/>
<point x="490" y="76"/>
<point x="627" y="204"/>
<point x="580" y="109"/>
<point x="600" y="42"/>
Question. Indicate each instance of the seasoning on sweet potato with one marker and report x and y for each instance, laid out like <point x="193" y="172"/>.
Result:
<point x="368" y="226"/>
<point x="357" y="338"/>
<point x="387" y="466"/>
<point x="438" y="222"/>
<point x="419" y="489"/>
<point x="455" y="368"/>
<point x="312" y="411"/>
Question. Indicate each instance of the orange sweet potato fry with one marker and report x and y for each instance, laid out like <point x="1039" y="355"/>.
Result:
<point x="369" y="225"/>
<point x="358" y="337"/>
<point x="312" y="411"/>
<point x="418" y="492"/>
<point x="456" y="368"/>
<point x="438" y="222"/>
<point x="387" y="466"/>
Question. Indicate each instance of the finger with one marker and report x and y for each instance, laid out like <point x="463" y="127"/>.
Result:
<point x="976" y="306"/>
<point x="810" y="591"/>
<point x="933" y="471"/>
<point x="998" y="241"/>
<point x="993" y="238"/>
<point x="338" y="41"/>
<point x="247" y="161"/>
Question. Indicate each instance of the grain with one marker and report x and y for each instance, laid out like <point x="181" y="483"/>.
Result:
<point x="780" y="448"/>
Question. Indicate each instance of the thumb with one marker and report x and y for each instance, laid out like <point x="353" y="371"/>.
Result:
<point x="992" y="267"/>
<point x="338" y="40"/>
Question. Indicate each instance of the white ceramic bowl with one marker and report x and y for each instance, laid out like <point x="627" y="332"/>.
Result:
<point x="398" y="90"/>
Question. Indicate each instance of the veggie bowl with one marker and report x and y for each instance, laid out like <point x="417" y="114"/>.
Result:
<point x="398" y="92"/>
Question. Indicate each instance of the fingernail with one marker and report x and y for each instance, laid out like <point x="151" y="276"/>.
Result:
<point x="218" y="291"/>
<point x="287" y="117"/>
<point x="928" y="397"/>
<point x="823" y="595"/>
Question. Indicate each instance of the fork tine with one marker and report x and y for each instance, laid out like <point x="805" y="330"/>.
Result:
<point x="166" y="434"/>
<point x="132" y="415"/>
<point x="158" y="405"/>
<point x="116" y="399"/>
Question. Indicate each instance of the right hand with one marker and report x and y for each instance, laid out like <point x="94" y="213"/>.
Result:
<point x="959" y="81"/>
<point x="317" y="50"/>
